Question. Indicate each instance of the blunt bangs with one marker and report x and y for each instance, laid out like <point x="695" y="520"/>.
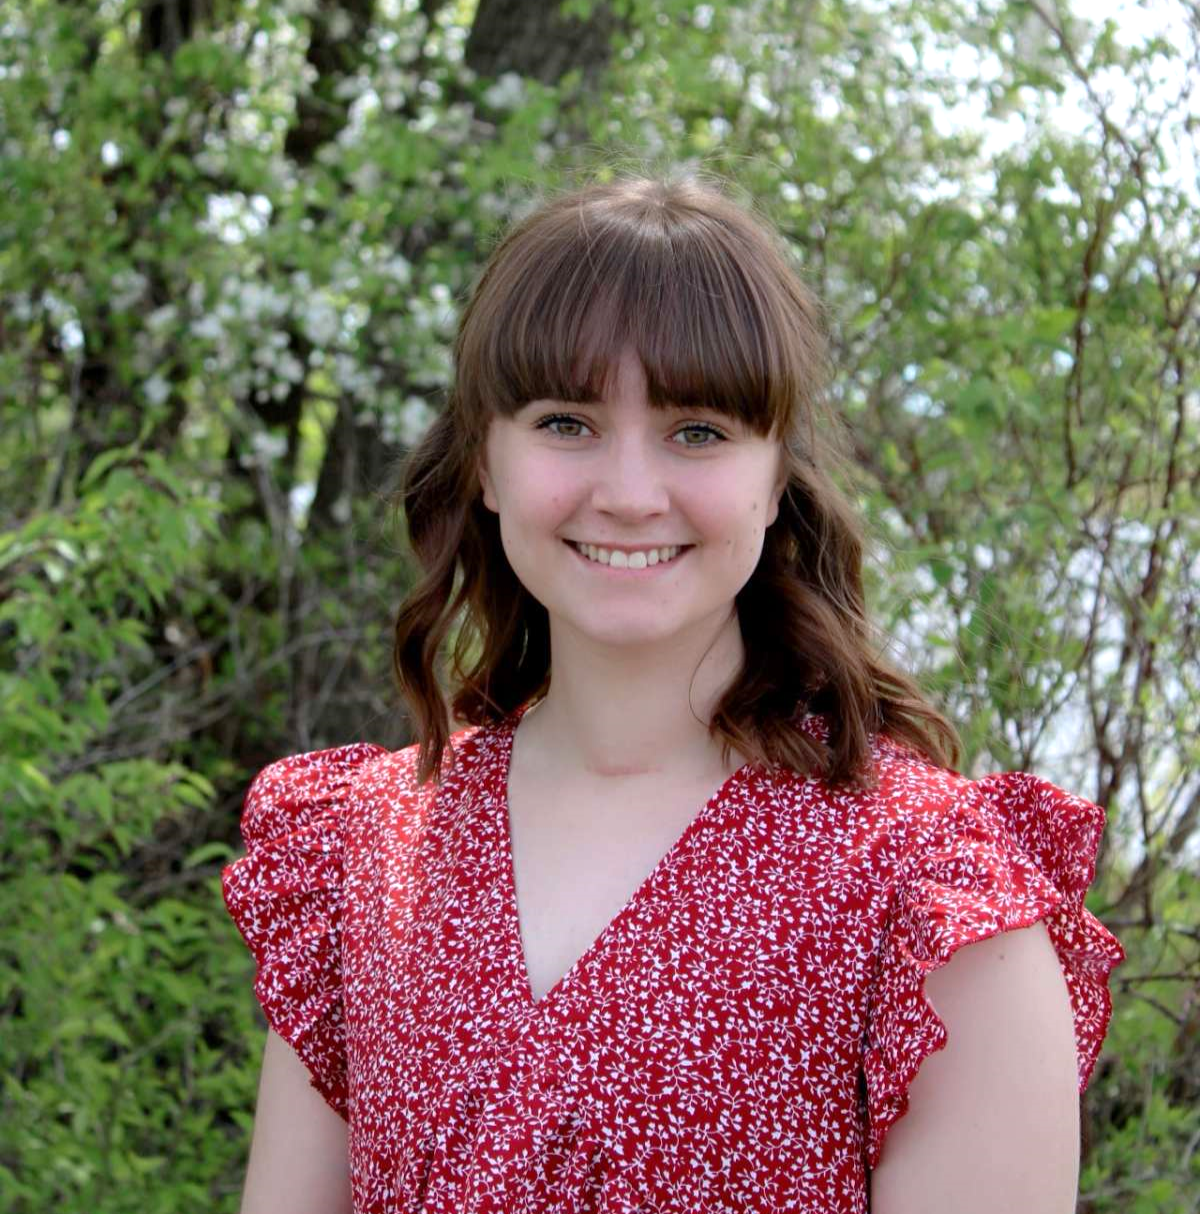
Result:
<point x="705" y="300"/>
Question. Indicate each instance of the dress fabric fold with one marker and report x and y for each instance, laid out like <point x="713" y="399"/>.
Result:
<point x="1012" y="850"/>
<point x="285" y="896"/>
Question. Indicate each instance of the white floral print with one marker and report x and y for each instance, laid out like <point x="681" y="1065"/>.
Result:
<point x="737" y="1039"/>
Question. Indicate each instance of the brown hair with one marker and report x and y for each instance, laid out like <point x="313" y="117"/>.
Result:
<point x="701" y="287"/>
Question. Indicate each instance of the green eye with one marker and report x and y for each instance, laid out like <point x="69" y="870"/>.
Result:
<point x="702" y="428"/>
<point x="560" y="419"/>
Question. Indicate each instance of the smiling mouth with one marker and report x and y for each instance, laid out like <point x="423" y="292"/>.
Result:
<point x="643" y="559"/>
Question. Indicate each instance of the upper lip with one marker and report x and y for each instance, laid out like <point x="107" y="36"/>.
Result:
<point x="626" y="547"/>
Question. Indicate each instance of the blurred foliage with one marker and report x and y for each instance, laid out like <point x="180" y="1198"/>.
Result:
<point x="233" y="238"/>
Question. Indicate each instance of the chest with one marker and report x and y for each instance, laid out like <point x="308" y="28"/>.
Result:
<point x="735" y="976"/>
<point x="579" y="856"/>
<point x="722" y="1014"/>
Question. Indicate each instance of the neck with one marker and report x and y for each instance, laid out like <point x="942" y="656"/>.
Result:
<point x="619" y="714"/>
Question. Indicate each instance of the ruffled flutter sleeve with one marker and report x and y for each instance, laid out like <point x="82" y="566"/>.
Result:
<point x="285" y="896"/>
<point x="1011" y="850"/>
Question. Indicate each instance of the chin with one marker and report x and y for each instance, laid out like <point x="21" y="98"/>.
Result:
<point x="631" y="633"/>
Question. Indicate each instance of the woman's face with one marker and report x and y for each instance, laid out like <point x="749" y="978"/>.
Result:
<point x="622" y="477"/>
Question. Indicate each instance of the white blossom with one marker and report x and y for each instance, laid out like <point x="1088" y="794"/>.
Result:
<point x="126" y="288"/>
<point x="208" y="327"/>
<point x="366" y="178"/>
<point x="290" y="368"/>
<point x="350" y="87"/>
<point x="255" y="300"/>
<point x="162" y="318"/>
<point x="415" y="417"/>
<point x="268" y="445"/>
<point x="320" y="321"/>
<point x="156" y="389"/>
<point x="71" y="335"/>
<point x="21" y="306"/>
<point x="507" y="93"/>
<point x="340" y="26"/>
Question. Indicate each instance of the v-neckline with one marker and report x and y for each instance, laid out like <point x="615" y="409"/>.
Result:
<point x="512" y="914"/>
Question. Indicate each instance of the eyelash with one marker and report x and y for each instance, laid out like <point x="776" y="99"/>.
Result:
<point x="545" y="423"/>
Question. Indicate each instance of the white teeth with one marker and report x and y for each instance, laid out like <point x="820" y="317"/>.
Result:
<point x="628" y="560"/>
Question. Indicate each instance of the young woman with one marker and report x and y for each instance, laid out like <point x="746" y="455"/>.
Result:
<point x="674" y="921"/>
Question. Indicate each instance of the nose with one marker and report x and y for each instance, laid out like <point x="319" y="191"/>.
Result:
<point x="630" y="480"/>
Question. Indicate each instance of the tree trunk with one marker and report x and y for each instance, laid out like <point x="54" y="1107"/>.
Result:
<point x="529" y="37"/>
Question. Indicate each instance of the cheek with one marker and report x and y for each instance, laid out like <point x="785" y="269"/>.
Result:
<point x="730" y="512"/>
<point x="538" y="500"/>
<point x="545" y="505"/>
<point x="746" y="547"/>
<point x="736" y="525"/>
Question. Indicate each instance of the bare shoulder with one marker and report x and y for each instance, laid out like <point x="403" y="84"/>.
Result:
<point x="993" y="1118"/>
<point x="989" y="969"/>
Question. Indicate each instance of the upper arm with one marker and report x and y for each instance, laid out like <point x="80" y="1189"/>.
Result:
<point x="993" y="1119"/>
<point x="299" y="1153"/>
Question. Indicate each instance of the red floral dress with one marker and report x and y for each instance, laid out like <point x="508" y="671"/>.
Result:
<point x="738" y="1038"/>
